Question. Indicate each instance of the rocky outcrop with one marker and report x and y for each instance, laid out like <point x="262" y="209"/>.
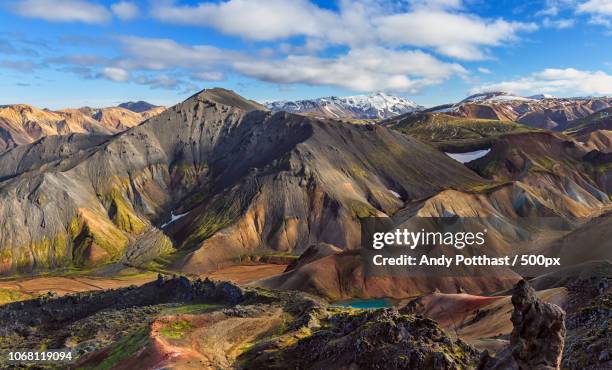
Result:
<point x="538" y="336"/>
<point x="589" y="338"/>
<point x="381" y="339"/>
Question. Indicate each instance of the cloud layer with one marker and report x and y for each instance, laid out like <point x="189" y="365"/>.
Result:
<point x="359" y="45"/>
<point x="568" y="81"/>
<point x="440" y="25"/>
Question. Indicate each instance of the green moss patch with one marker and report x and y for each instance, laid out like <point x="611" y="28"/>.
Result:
<point x="123" y="349"/>
<point x="176" y="329"/>
<point x="194" y="308"/>
<point x="123" y="215"/>
<point x="9" y="295"/>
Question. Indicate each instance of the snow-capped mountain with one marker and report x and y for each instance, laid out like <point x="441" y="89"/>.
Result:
<point x="541" y="111"/>
<point x="494" y="96"/>
<point x="375" y="106"/>
<point x="542" y="96"/>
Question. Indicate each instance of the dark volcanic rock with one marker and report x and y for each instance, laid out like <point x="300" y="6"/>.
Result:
<point x="589" y="336"/>
<point x="381" y="339"/>
<point x="538" y="336"/>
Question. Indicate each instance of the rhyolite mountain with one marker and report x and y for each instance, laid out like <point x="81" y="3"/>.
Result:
<point x="375" y="106"/>
<point x="595" y="130"/>
<point x="23" y="124"/>
<point x="249" y="181"/>
<point x="539" y="112"/>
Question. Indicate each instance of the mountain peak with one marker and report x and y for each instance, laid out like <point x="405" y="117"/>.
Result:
<point x="137" y="106"/>
<point x="227" y="97"/>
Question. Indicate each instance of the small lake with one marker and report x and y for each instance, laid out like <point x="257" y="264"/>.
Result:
<point x="366" y="304"/>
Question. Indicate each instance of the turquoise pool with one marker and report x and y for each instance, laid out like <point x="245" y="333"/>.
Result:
<point x="367" y="304"/>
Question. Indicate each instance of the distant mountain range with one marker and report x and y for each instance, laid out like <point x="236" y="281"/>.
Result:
<point x="137" y="106"/>
<point x="375" y="106"/>
<point x="22" y="123"/>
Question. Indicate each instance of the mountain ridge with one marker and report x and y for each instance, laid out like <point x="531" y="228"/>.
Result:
<point x="374" y="106"/>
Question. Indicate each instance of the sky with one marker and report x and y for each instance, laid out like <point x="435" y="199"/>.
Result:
<point x="72" y="53"/>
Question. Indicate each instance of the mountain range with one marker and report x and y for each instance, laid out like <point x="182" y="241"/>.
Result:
<point x="23" y="124"/>
<point x="219" y="177"/>
<point x="367" y="107"/>
<point x="540" y="112"/>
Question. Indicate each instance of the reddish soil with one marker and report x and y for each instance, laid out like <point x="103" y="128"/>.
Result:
<point x="247" y="273"/>
<point x="72" y="284"/>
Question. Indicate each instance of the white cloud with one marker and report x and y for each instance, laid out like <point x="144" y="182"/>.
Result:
<point x="115" y="74"/>
<point x="362" y="69"/>
<point x="453" y="34"/>
<point x="599" y="10"/>
<point x="61" y="10"/>
<point x="484" y="70"/>
<point x="601" y="7"/>
<point x="558" y="23"/>
<point x="441" y="24"/>
<point x="159" y="81"/>
<point x="567" y="81"/>
<point x="254" y="19"/>
<point x="125" y="10"/>
<point x="359" y="70"/>
<point x="158" y="54"/>
<point x="554" y="7"/>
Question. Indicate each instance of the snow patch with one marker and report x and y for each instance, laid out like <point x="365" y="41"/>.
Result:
<point x="395" y="194"/>
<point x="468" y="156"/>
<point x="542" y="96"/>
<point x="174" y="217"/>
<point x="444" y="110"/>
<point x="492" y="97"/>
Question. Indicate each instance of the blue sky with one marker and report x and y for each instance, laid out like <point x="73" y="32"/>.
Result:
<point x="68" y="53"/>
